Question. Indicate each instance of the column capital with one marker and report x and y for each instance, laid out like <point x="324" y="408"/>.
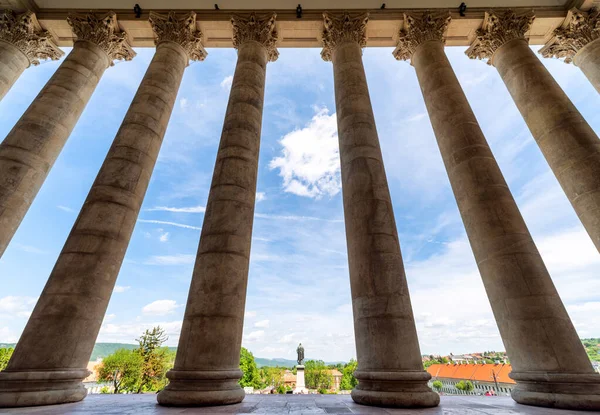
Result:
<point x="418" y="29"/>
<point x="261" y="29"/>
<point x="104" y="32"/>
<point x="25" y="33"/>
<point x="499" y="28"/>
<point x="340" y="28"/>
<point x="180" y="29"/>
<point x="578" y="29"/>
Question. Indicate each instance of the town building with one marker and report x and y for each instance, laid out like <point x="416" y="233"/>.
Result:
<point x="485" y="378"/>
<point x="48" y="365"/>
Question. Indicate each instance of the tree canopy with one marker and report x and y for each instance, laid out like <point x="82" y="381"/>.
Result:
<point x="250" y="374"/>
<point x="316" y="375"/>
<point x="5" y="354"/>
<point x="349" y="382"/>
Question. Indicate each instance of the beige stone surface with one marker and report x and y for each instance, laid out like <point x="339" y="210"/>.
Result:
<point x="12" y="64"/>
<point x="61" y="332"/>
<point x="528" y="310"/>
<point x="570" y="146"/>
<point x="30" y="149"/>
<point x="390" y="372"/>
<point x="588" y="60"/>
<point x="206" y="368"/>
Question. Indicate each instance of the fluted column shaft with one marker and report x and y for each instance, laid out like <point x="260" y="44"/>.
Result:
<point x="536" y="330"/>
<point x="570" y="146"/>
<point x="390" y="371"/>
<point x="13" y="63"/>
<point x="588" y="60"/>
<point x="30" y="149"/>
<point x="63" y="327"/>
<point x="206" y="368"/>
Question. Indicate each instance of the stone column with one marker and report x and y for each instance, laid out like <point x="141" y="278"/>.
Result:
<point x="390" y="371"/>
<point x="548" y="359"/>
<point x="568" y="143"/>
<point x="22" y="43"/>
<point x="30" y="149"/>
<point x="578" y="41"/>
<point x="206" y="368"/>
<point x="51" y="357"/>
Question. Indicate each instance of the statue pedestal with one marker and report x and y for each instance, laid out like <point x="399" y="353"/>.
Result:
<point x="300" y="387"/>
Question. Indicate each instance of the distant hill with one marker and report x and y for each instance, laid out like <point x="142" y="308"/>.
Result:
<point x="261" y="361"/>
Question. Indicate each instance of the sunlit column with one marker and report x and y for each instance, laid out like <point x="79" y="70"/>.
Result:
<point x="548" y="359"/>
<point x="578" y="41"/>
<point x="390" y="371"/>
<point x="568" y="143"/>
<point x="206" y="368"/>
<point x="30" y="149"/>
<point x="59" y="337"/>
<point x="22" y="43"/>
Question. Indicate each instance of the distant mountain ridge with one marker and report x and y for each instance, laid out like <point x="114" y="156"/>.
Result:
<point x="101" y="350"/>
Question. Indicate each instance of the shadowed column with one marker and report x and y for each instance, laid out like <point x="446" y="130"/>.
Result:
<point x="578" y="41"/>
<point x="569" y="144"/>
<point x="30" y="149"/>
<point x="22" y="43"/>
<point x="390" y="371"/>
<point x="548" y="359"/>
<point x="51" y="357"/>
<point x="206" y="368"/>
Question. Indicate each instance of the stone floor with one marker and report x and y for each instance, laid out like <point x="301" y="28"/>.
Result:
<point x="287" y="404"/>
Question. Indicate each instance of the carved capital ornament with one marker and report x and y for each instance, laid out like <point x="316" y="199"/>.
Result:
<point x="498" y="29"/>
<point x="25" y="33"/>
<point x="261" y="29"/>
<point x="578" y="30"/>
<point x="181" y="30"/>
<point x="104" y="32"/>
<point x="341" y="28"/>
<point x="420" y="29"/>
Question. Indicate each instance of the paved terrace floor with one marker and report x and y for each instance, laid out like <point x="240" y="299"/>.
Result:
<point x="288" y="404"/>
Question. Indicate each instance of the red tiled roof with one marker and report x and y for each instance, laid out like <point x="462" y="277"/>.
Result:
<point x="481" y="373"/>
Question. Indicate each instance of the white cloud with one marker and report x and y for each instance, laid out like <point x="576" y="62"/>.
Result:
<point x="310" y="164"/>
<point x="128" y="332"/>
<point x="226" y="83"/>
<point x="17" y="306"/>
<point x="160" y="307"/>
<point x="288" y="338"/>
<point x="192" y="209"/>
<point x="250" y="314"/>
<point x="183" y="103"/>
<point x="294" y="217"/>
<point x="121" y="288"/>
<point x="416" y="117"/>
<point x="30" y="249"/>
<point x="178" y="259"/>
<point x="262" y="324"/>
<point x="164" y="237"/>
<point x="66" y="209"/>
<point x="260" y="196"/>
<point x="254" y="336"/>
<point x="162" y="222"/>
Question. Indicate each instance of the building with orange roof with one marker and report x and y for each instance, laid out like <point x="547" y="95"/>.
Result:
<point x="487" y="378"/>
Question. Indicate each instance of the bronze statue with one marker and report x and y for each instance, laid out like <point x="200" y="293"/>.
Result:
<point x="300" y="351"/>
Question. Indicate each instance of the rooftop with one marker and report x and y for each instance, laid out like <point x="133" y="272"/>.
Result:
<point x="287" y="404"/>
<point x="478" y="372"/>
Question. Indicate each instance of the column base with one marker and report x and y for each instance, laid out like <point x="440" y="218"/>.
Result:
<point x="34" y="388"/>
<point x="404" y="389"/>
<point x="202" y="388"/>
<point x="564" y="390"/>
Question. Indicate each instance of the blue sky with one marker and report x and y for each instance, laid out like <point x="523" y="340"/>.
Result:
<point x="298" y="285"/>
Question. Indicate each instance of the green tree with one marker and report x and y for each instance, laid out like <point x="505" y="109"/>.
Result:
<point x="157" y="360"/>
<point x="465" y="385"/>
<point x="349" y="382"/>
<point x="437" y="385"/>
<point x="271" y="376"/>
<point x="5" y="354"/>
<point x="124" y="369"/>
<point x="250" y="377"/>
<point x="316" y="375"/>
